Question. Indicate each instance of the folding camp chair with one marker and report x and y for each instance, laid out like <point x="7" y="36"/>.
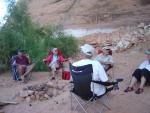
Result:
<point x="81" y="88"/>
<point x="47" y="63"/>
<point x="15" y="71"/>
<point x="110" y="66"/>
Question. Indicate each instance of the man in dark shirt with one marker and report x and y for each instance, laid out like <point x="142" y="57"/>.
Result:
<point x="23" y="63"/>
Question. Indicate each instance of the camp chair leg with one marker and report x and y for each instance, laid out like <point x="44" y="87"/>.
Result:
<point x="94" y="106"/>
<point x="85" y="104"/>
<point x="112" y="72"/>
<point x="104" y="103"/>
<point x="71" y="101"/>
<point x="79" y="103"/>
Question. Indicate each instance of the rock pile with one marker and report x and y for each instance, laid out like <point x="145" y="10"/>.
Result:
<point x="120" y="40"/>
<point x="42" y="91"/>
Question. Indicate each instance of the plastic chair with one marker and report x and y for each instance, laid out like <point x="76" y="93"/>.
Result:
<point x="81" y="88"/>
<point x="110" y="66"/>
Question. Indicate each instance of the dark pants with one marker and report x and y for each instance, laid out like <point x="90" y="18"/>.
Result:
<point x="138" y="73"/>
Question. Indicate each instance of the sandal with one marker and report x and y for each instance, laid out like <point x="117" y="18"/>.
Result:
<point x="129" y="89"/>
<point x="139" y="91"/>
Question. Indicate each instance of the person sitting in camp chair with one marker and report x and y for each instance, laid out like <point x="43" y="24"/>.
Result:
<point x="105" y="59"/>
<point x="54" y="61"/>
<point x="99" y="73"/>
<point x="141" y="74"/>
<point x="23" y="64"/>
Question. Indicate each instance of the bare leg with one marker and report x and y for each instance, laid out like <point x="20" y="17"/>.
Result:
<point x="29" y="70"/>
<point x="133" y="81"/>
<point x="21" y="69"/>
<point x="143" y="80"/>
<point x="53" y="69"/>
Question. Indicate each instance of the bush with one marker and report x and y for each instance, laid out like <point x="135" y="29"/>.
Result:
<point x="21" y="32"/>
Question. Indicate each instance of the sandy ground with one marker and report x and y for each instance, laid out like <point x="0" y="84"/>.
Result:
<point x="125" y="64"/>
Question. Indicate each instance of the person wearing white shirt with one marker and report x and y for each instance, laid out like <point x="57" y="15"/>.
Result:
<point x="99" y="73"/>
<point x="141" y="74"/>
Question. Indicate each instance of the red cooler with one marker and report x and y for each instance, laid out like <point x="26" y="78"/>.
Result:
<point x="65" y="74"/>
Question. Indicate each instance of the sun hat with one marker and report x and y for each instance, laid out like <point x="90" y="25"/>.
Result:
<point x="54" y="49"/>
<point x="87" y="49"/>
<point x="106" y="48"/>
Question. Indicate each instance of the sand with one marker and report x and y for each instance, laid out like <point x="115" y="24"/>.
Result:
<point x="125" y="63"/>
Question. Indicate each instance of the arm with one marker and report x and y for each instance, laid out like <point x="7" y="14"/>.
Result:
<point x="48" y="59"/>
<point x="61" y="59"/>
<point x="110" y="61"/>
<point x="28" y="57"/>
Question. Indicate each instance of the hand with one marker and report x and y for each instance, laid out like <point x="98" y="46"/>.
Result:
<point x="70" y="60"/>
<point x="102" y="62"/>
<point x="28" y="57"/>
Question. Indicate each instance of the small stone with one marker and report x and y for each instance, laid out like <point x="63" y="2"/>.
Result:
<point x="33" y="97"/>
<point x="30" y="92"/>
<point x="60" y="92"/>
<point x="20" y="99"/>
<point x="37" y="96"/>
<point x="41" y="93"/>
<point x="50" y="94"/>
<point x="24" y="89"/>
<point x="55" y="92"/>
<point x="141" y="25"/>
<point x="42" y="98"/>
<point x="46" y="96"/>
<point x="28" y="100"/>
<point x="36" y="92"/>
<point x="23" y="93"/>
<point x="51" y="84"/>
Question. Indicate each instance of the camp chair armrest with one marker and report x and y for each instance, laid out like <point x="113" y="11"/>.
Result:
<point x="108" y="83"/>
<point x="71" y="82"/>
<point x="104" y="83"/>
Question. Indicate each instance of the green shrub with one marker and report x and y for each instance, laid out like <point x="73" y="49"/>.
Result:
<point x="21" y="32"/>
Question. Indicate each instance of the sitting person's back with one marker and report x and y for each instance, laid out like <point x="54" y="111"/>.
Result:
<point x="105" y="59"/>
<point x="99" y="74"/>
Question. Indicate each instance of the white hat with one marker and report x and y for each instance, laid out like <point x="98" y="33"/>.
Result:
<point x="106" y="48"/>
<point x="87" y="49"/>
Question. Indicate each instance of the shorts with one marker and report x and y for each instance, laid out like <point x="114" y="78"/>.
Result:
<point x="54" y="65"/>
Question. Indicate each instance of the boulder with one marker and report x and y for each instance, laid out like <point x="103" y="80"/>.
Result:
<point x="124" y="44"/>
<point x="23" y="93"/>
